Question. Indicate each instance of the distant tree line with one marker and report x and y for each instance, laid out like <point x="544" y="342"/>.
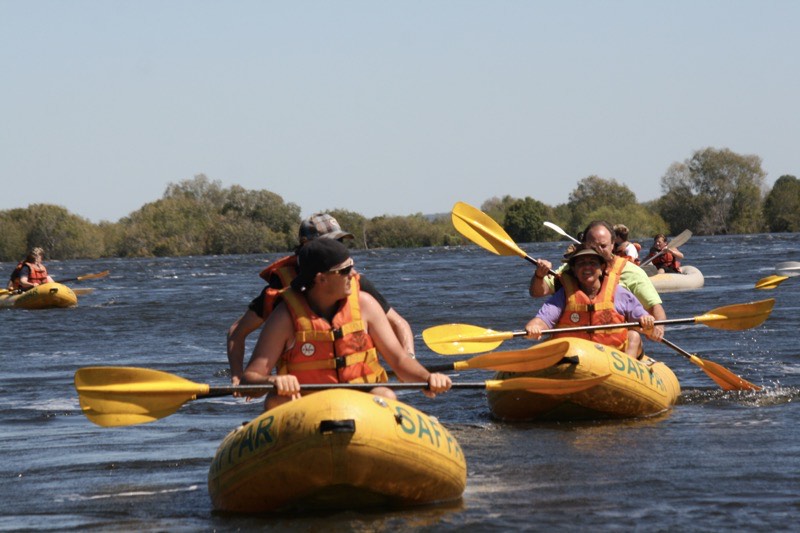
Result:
<point x="716" y="191"/>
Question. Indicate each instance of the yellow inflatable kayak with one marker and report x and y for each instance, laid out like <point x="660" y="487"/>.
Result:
<point x="634" y="389"/>
<point x="336" y="449"/>
<point x="42" y="296"/>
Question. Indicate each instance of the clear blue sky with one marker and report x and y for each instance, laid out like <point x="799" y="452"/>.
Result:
<point x="385" y="107"/>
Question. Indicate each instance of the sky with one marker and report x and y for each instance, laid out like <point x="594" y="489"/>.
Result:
<point x="385" y="107"/>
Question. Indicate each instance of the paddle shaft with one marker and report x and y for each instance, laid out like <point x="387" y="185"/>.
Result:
<point x="536" y="264"/>
<point x="609" y="326"/>
<point x="558" y="230"/>
<point x="86" y="276"/>
<point x="723" y="377"/>
<point x="262" y="389"/>
<point x="651" y="259"/>
<point x="677" y="348"/>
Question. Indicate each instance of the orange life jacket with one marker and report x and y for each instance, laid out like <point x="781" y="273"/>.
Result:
<point x="278" y="274"/>
<point x="37" y="276"/>
<point x="341" y="352"/>
<point x="580" y="310"/>
<point x="667" y="261"/>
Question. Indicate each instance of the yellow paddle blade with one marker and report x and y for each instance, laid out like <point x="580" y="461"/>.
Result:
<point x="459" y="339"/>
<point x="98" y="275"/>
<point x="123" y="396"/>
<point x="484" y="231"/>
<point x="723" y="377"/>
<point x="546" y="385"/>
<point x="529" y="360"/>
<point x="82" y="292"/>
<point x="738" y="316"/>
<point x="770" y="282"/>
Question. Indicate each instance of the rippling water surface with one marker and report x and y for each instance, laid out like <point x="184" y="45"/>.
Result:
<point x="719" y="460"/>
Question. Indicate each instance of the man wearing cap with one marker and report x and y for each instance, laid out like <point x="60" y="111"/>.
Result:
<point x="279" y="274"/>
<point x="326" y="330"/>
<point x="591" y="295"/>
<point x="600" y="236"/>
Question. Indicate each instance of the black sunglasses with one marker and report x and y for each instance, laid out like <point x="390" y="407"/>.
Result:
<point x="345" y="271"/>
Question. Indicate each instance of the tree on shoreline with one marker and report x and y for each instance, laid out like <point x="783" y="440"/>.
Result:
<point x="714" y="191"/>
<point x="782" y="205"/>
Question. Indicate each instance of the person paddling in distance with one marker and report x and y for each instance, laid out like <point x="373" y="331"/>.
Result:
<point x="30" y="272"/>
<point x="591" y="295"/>
<point x="326" y="330"/>
<point x="279" y="275"/>
<point x="623" y="247"/>
<point x="600" y="236"/>
<point x="668" y="261"/>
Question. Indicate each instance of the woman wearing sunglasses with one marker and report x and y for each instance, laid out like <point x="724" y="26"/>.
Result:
<point x="326" y="330"/>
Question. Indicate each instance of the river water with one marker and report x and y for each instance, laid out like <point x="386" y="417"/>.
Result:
<point x="718" y="461"/>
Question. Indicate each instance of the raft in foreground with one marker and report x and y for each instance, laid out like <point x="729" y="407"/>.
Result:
<point x="337" y="449"/>
<point x="44" y="296"/>
<point x="634" y="389"/>
<point x="689" y="279"/>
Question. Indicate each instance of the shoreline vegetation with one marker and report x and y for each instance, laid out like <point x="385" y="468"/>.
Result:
<point x="714" y="192"/>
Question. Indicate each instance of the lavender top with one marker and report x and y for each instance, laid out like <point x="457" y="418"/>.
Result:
<point x="624" y="302"/>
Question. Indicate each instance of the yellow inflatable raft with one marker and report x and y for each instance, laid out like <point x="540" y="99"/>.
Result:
<point x="336" y="449"/>
<point x="42" y="296"/>
<point x="634" y="389"/>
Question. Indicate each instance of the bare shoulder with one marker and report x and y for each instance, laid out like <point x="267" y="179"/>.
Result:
<point x="280" y="318"/>
<point x="371" y="310"/>
<point x="366" y="300"/>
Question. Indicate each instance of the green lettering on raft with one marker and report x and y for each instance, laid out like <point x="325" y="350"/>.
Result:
<point x="233" y="445"/>
<point x="247" y="440"/>
<point x="408" y="426"/>
<point x="660" y="383"/>
<point x="435" y="424"/>
<point x="263" y="431"/>
<point x="618" y="363"/>
<point x="405" y="420"/>
<point x="634" y="368"/>
<point x="423" y="428"/>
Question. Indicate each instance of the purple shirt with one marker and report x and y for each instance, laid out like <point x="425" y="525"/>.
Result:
<point x="625" y="303"/>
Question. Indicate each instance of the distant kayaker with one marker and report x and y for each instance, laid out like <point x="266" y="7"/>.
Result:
<point x="279" y="274"/>
<point x="326" y="330"/>
<point x="600" y="236"/>
<point x="591" y="295"/>
<point x="30" y="272"/>
<point x="668" y="261"/>
<point x="623" y="247"/>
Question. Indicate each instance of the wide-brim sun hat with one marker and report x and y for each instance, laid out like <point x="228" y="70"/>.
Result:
<point x="584" y="251"/>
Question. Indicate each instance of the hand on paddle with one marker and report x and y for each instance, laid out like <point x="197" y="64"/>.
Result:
<point x="538" y="286"/>
<point x="284" y="385"/>
<point x="534" y="328"/>
<point x="437" y="384"/>
<point x="288" y="385"/>
<point x="653" y="332"/>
